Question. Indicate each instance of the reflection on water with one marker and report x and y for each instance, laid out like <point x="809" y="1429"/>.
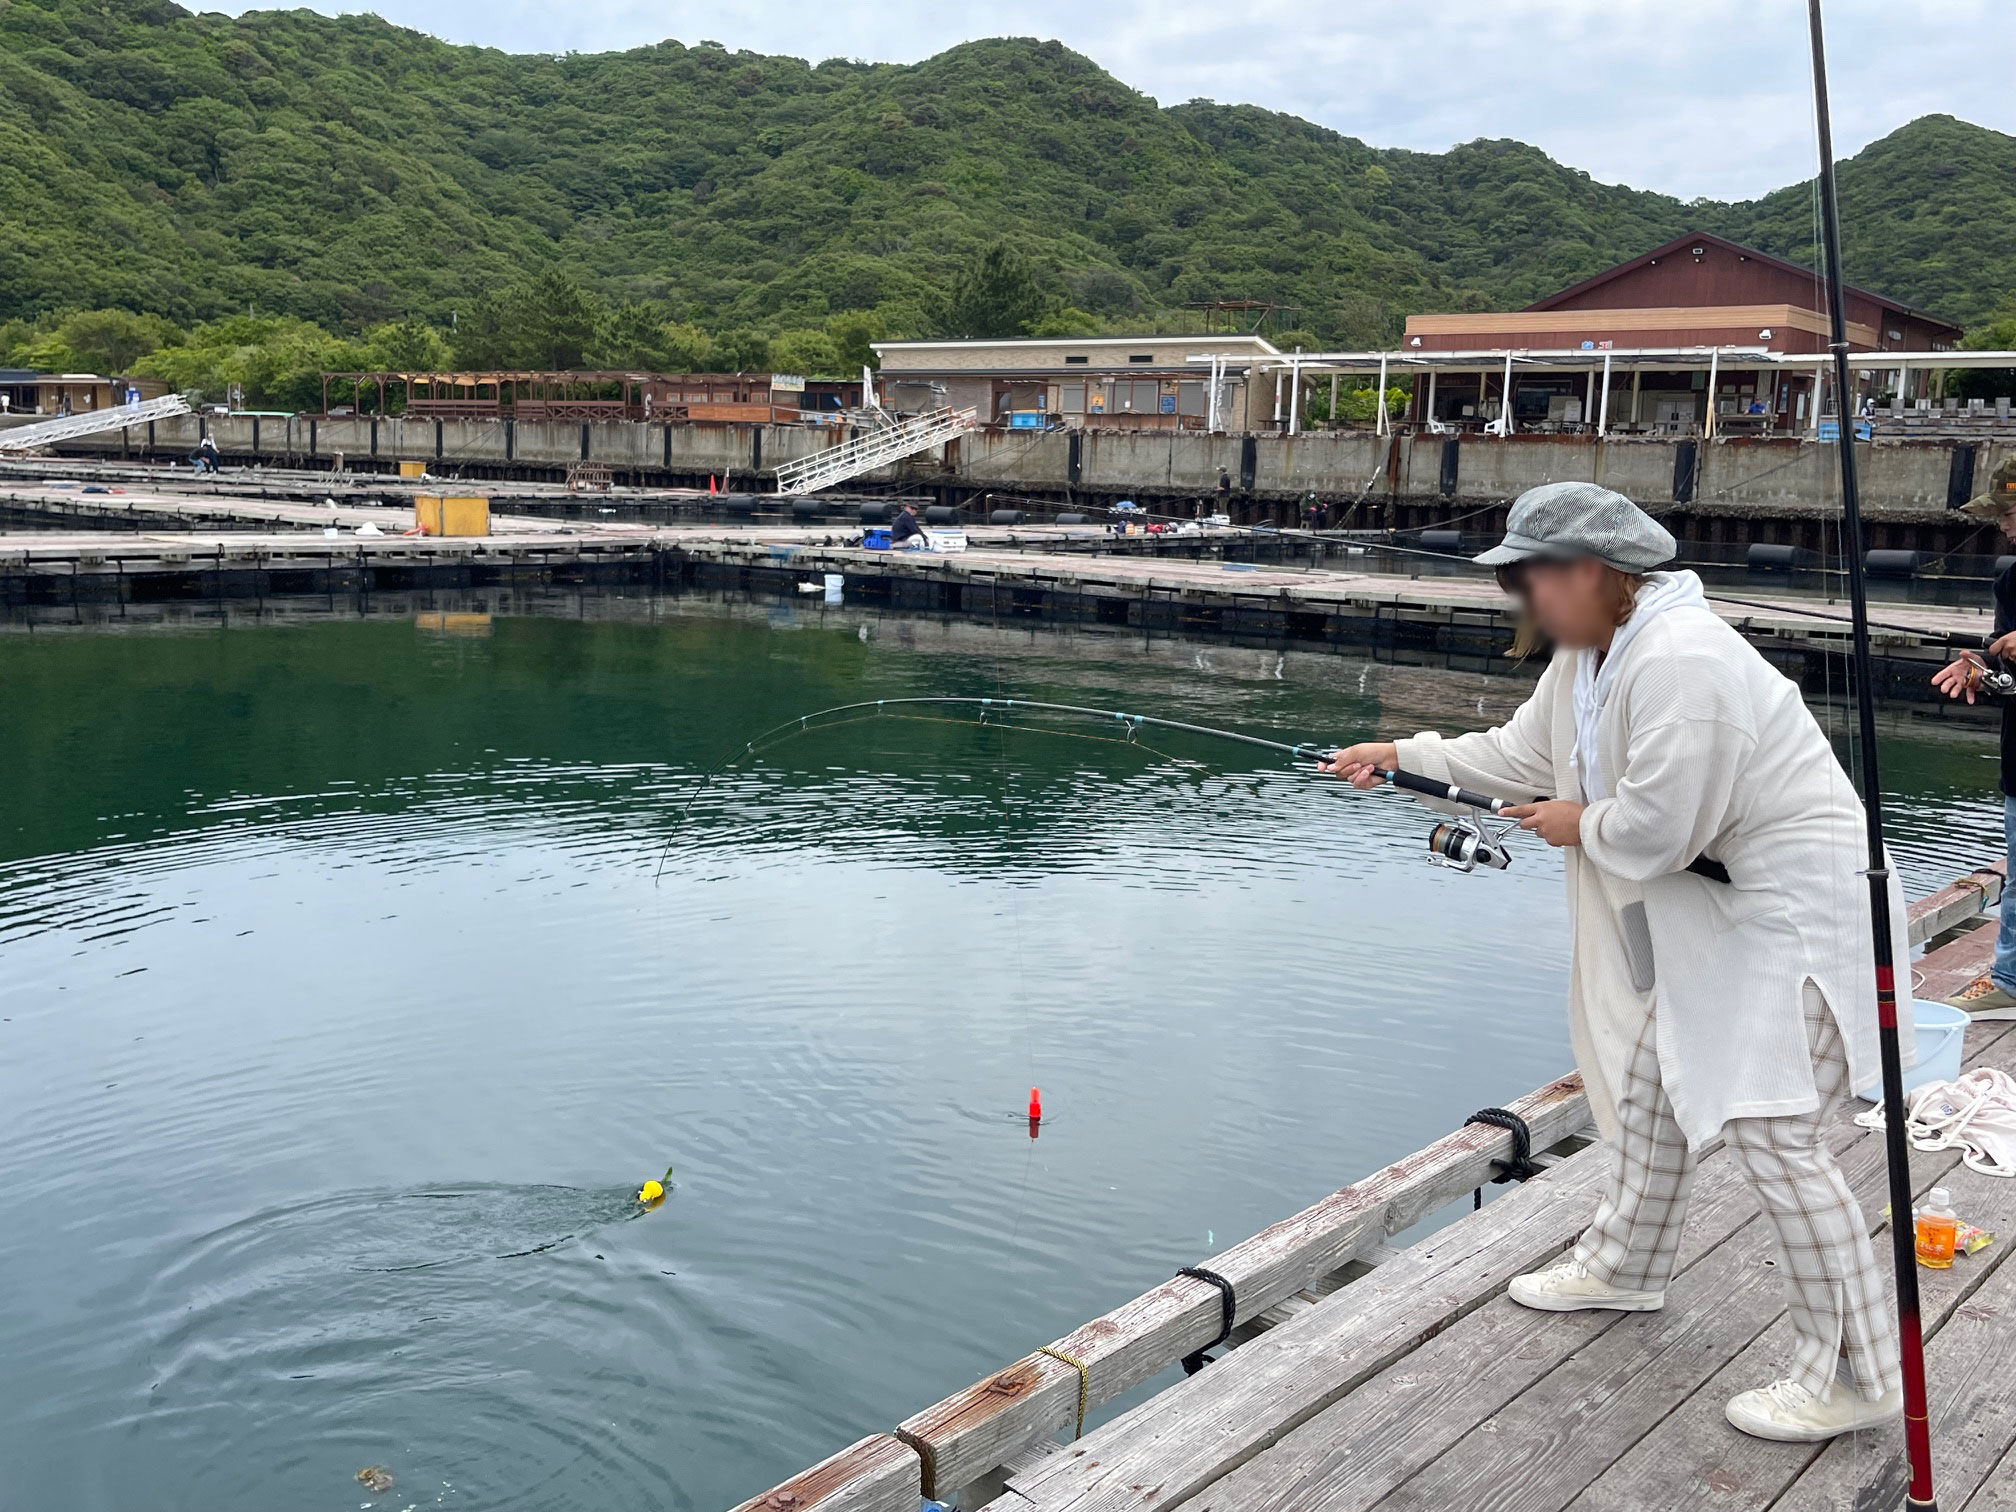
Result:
<point x="343" y="1019"/>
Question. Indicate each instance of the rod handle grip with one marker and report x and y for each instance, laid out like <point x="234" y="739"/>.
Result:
<point x="1447" y="792"/>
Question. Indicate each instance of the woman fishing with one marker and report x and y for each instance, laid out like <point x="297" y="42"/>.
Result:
<point x="1701" y="1009"/>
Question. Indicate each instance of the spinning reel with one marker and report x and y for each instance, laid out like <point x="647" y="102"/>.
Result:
<point x="1466" y="843"/>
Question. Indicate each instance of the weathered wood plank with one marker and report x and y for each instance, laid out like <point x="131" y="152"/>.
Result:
<point x="877" y="1474"/>
<point x="1972" y="895"/>
<point x="968" y="1434"/>
<point x="1998" y="1491"/>
<point x="1694" y="1459"/>
<point x="1395" y="1425"/>
<point x="1180" y="1440"/>
<point x="1573" y="1424"/>
<point x="1943" y="972"/>
<point x="1283" y="1268"/>
<point x="1970" y="1377"/>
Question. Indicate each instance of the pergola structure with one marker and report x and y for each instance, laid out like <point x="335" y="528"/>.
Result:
<point x="1604" y="389"/>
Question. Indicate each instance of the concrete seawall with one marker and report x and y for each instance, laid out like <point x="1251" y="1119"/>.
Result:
<point x="1710" y="490"/>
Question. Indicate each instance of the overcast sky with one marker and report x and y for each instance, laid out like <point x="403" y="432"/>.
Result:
<point x="1691" y="97"/>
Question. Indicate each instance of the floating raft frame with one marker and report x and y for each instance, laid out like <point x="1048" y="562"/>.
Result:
<point x="1363" y="1372"/>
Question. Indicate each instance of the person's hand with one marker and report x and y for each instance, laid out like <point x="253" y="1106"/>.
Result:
<point x="2003" y="645"/>
<point x="1558" y="821"/>
<point x="1361" y="764"/>
<point x="1957" y="679"/>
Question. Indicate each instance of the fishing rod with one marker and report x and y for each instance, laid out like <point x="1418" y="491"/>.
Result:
<point x="1462" y="843"/>
<point x="1910" y="1331"/>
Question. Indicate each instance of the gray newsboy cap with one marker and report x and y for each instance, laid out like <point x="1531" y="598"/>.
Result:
<point x="1565" y="520"/>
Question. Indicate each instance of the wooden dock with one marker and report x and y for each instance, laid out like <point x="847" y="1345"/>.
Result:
<point x="1364" y="1372"/>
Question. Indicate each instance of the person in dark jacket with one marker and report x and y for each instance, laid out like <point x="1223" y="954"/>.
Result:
<point x="907" y="529"/>
<point x="1975" y="675"/>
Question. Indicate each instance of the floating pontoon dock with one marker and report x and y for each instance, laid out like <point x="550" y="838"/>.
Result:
<point x="1360" y="1372"/>
<point x="164" y="543"/>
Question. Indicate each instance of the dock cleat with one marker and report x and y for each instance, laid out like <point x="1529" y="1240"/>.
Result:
<point x="1567" y="1286"/>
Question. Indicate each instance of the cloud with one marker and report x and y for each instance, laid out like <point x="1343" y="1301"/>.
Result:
<point x="1711" y="97"/>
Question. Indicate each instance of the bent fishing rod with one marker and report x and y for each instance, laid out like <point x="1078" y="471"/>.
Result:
<point x="1463" y="843"/>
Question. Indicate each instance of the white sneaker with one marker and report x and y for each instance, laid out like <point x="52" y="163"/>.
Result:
<point x="1788" y="1412"/>
<point x="1567" y="1286"/>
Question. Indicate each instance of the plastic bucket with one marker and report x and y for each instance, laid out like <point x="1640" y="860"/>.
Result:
<point x="1940" y="1032"/>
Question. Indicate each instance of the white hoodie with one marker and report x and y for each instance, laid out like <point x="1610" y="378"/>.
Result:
<point x="1596" y="672"/>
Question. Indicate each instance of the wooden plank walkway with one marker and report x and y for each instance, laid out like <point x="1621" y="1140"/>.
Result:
<point x="1507" y="1410"/>
<point x="1369" y="1374"/>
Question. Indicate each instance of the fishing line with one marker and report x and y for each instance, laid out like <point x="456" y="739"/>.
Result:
<point x="1476" y="837"/>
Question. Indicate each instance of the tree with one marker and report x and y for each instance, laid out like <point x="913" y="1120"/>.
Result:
<point x="550" y="323"/>
<point x="813" y="352"/>
<point x="688" y="349"/>
<point x="558" y="320"/>
<point x="487" y="337"/>
<point x="999" y="295"/>
<point x="854" y="336"/>
<point x="632" y="336"/>
<point x="111" y="341"/>
<point x="406" y="346"/>
<point x="740" y="351"/>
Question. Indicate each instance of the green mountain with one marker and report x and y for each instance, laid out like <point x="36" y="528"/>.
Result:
<point x="349" y="172"/>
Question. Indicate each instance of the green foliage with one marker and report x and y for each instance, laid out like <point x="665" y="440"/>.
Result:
<point x="813" y="352"/>
<point x="93" y="341"/>
<point x="342" y="171"/>
<point x="1001" y="294"/>
<point x="548" y="322"/>
<point x="1928" y="214"/>
<point x="1997" y="333"/>
<point x="854" y="333"/>
<point x="406" y="346"/>
<point x="1357" y="404"/>
<point x="276" y="360"/>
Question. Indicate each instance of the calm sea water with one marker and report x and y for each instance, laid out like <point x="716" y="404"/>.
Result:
<point x="342" y="1015"/>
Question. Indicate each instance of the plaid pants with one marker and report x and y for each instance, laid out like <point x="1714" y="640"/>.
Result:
<point x="1834" y="1290"/>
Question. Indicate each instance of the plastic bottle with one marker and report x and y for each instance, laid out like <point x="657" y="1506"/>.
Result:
<point x="1938" y="1229"/>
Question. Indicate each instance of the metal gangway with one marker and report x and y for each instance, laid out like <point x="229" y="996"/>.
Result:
<point x="878" y="448"/>
<point x="70" y="427"/>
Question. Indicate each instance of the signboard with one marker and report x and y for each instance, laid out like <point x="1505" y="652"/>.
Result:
<point x="1025" y="420"/>
<point x="787" y="383"/>
<point x="1168" y="404"/>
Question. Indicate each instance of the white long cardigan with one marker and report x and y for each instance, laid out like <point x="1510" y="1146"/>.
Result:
<point x="1707" y="749"/>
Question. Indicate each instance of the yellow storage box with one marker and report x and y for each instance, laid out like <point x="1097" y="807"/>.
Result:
<point x="412" y="469"/>
<point x="451" y="515"/>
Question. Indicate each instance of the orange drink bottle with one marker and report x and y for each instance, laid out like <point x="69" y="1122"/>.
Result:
<point x="1938" y="1230"/>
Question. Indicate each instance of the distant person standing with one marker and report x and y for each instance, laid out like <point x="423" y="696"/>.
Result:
<point x="1994" y="995"/>
<point x="1224" y="493"/>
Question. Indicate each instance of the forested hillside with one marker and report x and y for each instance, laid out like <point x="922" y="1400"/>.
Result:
<point x="344" y="172"/>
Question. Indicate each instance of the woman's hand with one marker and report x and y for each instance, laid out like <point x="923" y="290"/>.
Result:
<point x="1361" y="764"/>
<point x="1558" y="821"/>
<point x="1958" y="678"/>
<point x="2003" y="645"/>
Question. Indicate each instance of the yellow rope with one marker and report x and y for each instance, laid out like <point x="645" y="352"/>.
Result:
<point x="1084" y="1383"/>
